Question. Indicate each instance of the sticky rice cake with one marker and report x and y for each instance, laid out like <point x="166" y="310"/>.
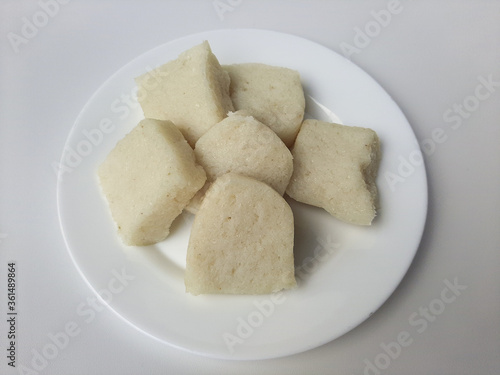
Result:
<point x="335" y="167"/>
<point x="241" y="240"/>
<point x="148" y="178"/>
<point x="273" y="95"/>
<point x="243" y="145"/>
<point x="191" y="91"/>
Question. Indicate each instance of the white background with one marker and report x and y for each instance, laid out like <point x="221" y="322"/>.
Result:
<point x="429" y="58"/>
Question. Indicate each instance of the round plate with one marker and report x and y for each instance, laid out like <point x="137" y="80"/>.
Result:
<point x="345" y="272"/>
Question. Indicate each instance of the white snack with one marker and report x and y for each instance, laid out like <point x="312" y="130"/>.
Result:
<point x="273" y="95"/>
<point x="148" y="178"/>
<point x="191" y="91"/>
<point x="335" y="167"/>
<point x="241" y="241"/>
<point x="243" y="145"/>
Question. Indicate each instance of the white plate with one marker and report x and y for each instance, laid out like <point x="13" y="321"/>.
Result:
<point x="345" y="272"/>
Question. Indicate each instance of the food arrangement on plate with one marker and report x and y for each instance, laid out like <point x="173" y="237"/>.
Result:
<point x="343" y="271"/>
<point x="226" y="143"/>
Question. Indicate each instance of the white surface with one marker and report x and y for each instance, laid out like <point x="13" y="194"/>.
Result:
<point x="429" y="57"/>
<point x="345" y="272"/>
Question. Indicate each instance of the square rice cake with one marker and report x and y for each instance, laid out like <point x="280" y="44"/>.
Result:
<point x="243" y="145"/>
<point x="335" y="167"/>
<point x="273" y="95"/>
<point x="241" y="241"/>
<point x="191" y="91"/>
<point x="147" y="179"/>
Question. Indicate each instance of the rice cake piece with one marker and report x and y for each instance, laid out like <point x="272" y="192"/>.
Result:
<point x="335" y="167"/>
<point x="243" y="145"/>
<point x="273" y="95"/>
<point x="148" y="178"/>
<point x="191" y="91"/>
<point x="241" y="240"/>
